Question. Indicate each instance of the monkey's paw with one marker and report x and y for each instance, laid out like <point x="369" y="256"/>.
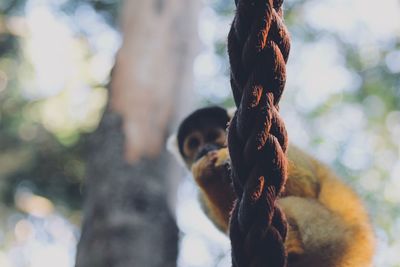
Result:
<point x="213" y="168"/>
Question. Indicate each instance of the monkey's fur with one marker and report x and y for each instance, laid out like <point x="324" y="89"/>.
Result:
<point x="328" y="225"/>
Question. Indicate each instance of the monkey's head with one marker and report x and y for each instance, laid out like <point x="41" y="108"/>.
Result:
<point x="201" y="132"/>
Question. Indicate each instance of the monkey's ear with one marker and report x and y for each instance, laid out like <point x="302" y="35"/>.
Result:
<point x="172" y="147"/>
<point x="231" y="111"/>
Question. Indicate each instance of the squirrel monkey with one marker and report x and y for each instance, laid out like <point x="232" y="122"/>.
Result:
<point x="328" y="225"/>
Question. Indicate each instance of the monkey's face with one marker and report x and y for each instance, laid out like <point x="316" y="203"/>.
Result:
<point x="201" y="132"/>
<point x="200" y="142"/>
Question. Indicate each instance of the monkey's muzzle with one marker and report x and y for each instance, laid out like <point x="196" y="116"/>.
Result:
<point x="206" y="149"/>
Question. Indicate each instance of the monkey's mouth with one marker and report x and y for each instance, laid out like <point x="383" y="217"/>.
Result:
<point x="206" y="149"/>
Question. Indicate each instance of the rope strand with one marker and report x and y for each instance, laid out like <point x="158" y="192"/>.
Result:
<point x="258" y="46"/>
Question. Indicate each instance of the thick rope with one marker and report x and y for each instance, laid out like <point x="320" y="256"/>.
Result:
<point x="258" y="45"/>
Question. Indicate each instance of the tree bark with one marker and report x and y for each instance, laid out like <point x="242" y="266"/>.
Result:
<point x="128" y="220"/>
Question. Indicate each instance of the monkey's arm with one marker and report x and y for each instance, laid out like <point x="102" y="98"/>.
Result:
<point x="323" y="234"/>
<point x="333" y="226"/>
<point x="316" y="236"/>
<point x="216" y="193"/>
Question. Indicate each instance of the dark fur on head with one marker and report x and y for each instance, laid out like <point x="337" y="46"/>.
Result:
<point x="201" y="118"/>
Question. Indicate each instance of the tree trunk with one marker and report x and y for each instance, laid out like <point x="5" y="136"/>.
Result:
<point x="127" y="217"/>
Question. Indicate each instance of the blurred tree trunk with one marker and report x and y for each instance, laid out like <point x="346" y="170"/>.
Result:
<point x="128" y="218"/>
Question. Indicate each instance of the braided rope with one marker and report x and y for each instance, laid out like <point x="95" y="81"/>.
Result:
<point x="258" y="45"/>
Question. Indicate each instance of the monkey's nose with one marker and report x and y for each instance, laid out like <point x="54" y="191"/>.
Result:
<point x="205" y="149"/>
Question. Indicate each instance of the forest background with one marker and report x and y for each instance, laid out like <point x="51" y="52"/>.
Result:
<point x="342" y="104"/>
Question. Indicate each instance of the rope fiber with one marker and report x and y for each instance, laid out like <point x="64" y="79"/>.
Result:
<point x="258" y="46"/>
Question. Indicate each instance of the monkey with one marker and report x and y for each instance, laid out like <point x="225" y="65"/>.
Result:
<point x="327" y="222"/>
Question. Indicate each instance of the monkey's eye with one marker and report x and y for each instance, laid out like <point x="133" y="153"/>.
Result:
<point x="212" y="135"/>
<point x="193" y="142"/>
